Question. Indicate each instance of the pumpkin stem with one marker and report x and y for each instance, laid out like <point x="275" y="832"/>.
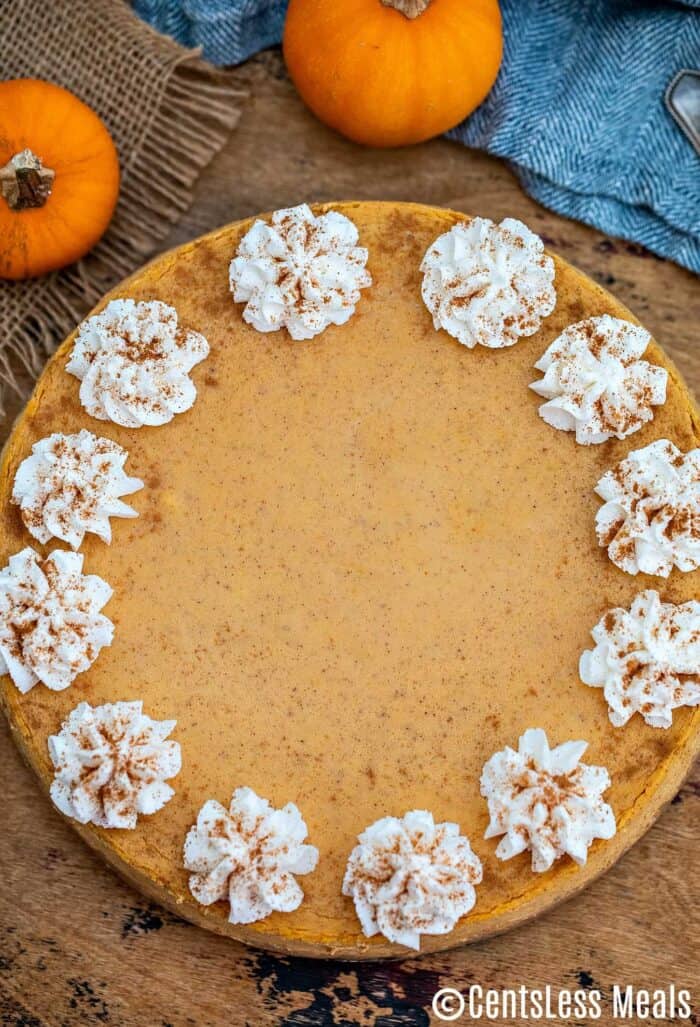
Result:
<point x="25" y="182"/>
<point x="410" y="8"/>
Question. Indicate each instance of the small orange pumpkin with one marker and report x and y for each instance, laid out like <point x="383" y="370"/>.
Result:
<point x="393" y="72"/>
<point x="59" y="178"/>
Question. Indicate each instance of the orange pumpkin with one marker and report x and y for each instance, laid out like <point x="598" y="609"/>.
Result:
<point x="59" y="178"/>
<point x="392" y="72"/>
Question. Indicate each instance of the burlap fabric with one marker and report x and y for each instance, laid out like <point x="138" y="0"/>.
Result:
<point x="168" y="115"/>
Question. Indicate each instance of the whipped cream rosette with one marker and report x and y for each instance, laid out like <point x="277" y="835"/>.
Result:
<point x="300" y="272"/>
<point x="112" y="764"/>
<point x="646" y="659"/>
<point x="595" y="383"/>
<point x="546" y="801"/>
<point x="133" y="360"/>
<point x="248" y="855"/>
<point x="488" y="284"/>
<point x="650" y="521"/>
<point x="72" y="485"/>
<point x="51" y="628"/>
<point x="411" y="876"/>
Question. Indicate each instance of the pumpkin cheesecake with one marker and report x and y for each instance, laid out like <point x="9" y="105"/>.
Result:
<point x="348" y="577"/>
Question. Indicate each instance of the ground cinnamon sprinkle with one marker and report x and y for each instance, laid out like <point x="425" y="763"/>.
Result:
<point x="611" y="534"/>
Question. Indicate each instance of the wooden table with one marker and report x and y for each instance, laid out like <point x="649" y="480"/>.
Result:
<point x="77" y="946"/>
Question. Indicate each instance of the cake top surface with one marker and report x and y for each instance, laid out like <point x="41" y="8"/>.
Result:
<point x="362" y="565"/>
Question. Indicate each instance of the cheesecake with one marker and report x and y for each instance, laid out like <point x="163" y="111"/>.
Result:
<point x="355" y="560"/>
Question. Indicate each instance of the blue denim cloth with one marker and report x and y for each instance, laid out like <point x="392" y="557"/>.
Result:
<point x="577" y="108"/>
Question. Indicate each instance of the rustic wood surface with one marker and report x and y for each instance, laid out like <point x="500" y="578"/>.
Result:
<point x="77" y="946"/>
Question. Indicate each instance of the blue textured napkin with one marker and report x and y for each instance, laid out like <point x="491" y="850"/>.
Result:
<point x="228" y="31"/>
<point x="577" y="107"/>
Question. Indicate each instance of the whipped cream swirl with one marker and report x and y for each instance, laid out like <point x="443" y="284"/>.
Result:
<point x="51" y="628"/>
<point x="594" y="382"/>
<point x="488" y="284"/>
<point x="647" y="659"/>
<point x="300" y="272"/>
<point x="133" y="361"/>
<point x="650" y="521"/>
<point x="249" y="855"/>
<point x="411" y="876"/>
<point x="71" y="485"/>
<point x="546" y="800"/>
<point x="112" y="763"/>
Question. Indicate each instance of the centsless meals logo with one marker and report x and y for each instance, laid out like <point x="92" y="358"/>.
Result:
<point x="625" y="1002"/>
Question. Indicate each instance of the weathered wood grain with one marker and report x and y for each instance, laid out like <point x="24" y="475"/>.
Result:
<point x="77" y="946"/>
